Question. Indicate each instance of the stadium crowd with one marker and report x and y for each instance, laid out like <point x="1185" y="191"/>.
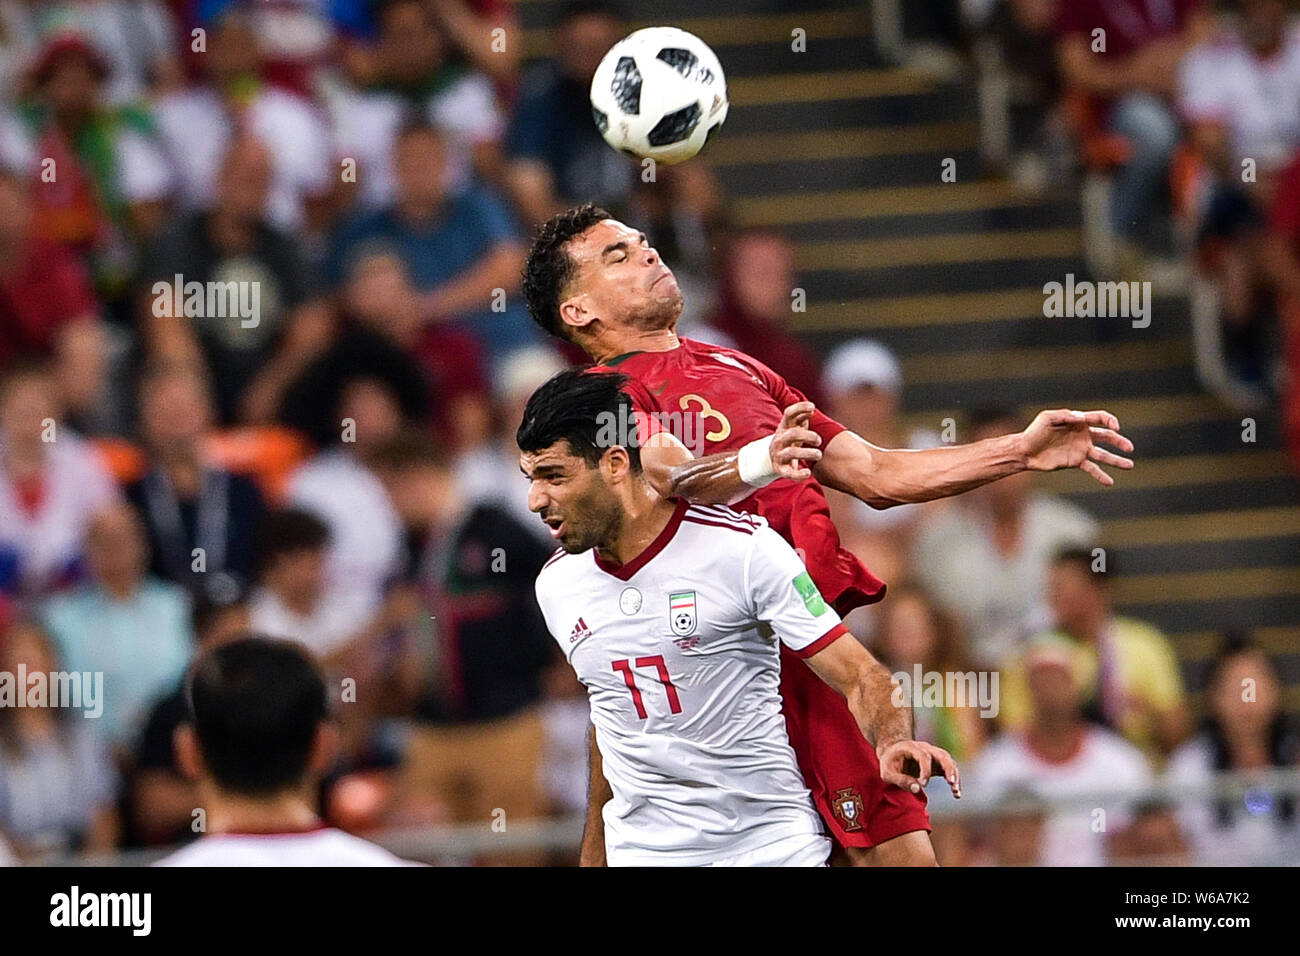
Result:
<point x="328" y="458"/>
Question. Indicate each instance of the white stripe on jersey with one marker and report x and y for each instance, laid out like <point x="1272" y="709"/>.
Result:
<point x="679" y="652"/>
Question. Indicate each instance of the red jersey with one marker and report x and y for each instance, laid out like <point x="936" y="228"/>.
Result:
<point x="716" y="399"/>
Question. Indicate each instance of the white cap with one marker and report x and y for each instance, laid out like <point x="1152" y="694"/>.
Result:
<point x="862" y="362"/>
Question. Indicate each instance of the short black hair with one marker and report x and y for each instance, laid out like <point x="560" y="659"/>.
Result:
<point x="289" y="531"/>
<point x="548" y="267"/>
<point x="580" y="407"/>
<point x="255" y="705"/>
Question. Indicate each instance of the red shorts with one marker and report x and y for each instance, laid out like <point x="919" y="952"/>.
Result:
<point x="838" y="764"/>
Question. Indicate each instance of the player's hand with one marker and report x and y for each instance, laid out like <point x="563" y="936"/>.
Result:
<point x="911" y="763"/>
<point x="794" y="449"/>
<point x="1062" y="438"/>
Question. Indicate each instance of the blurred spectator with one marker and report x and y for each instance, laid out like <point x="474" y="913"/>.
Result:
<point x="110" y="177"/>
<point x="57" y="780"/>
<point x="985" y="558"/>
<point x="477" y="745"/>
<point x="566" y="718"/>
<point x="188" y="504"/>
<point x="1281" y="252"/>
<point x="755" y="308"/>
<point x="259" y="743"/>
<point x="914" y="632"/>
<point x="1244" y="729"/>
<point x="1059" y="756"/>
<point x="414" y="79"/>
<point x="488" y="473"/>
<point x="295" y="38"/>
<point x="1127" y="670"/>
<point x="862" y="385"/>
<point x="199" y="125"/>
<point x="137" y="39"/>
<point x="461" y="249"/>
<point x="340" y="487"/>
<point x="48" y="307"/>
<point x="19" y="40"/>
<point x="1015" y="836"/>
<point x="1240" y="96"/>
<point x="470" y="25"/>
<point x="1014" y="47"/>
<point x="251" y="360"/>
<point x="1154" y="838"/>
<point x="916" y="639"/>
<point x="51" y="486"/>
<point x="162" y="799"/>
<point x="1121" y="57"/>
<point x="1240" y="91"/>
<point x="294" y="601"/>
<point x="557" y="157"/>
<point x="124" y="623"/>
<point x="437" y="372"/>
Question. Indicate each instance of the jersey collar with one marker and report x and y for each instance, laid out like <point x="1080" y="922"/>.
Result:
<point x="619" y="359"/>
<point x="625" y="570"/>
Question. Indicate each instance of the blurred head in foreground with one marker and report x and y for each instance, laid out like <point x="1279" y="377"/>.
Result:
<point x="260" y="733"/>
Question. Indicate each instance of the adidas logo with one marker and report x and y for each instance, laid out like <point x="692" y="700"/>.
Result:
<point x="580" y="630"/>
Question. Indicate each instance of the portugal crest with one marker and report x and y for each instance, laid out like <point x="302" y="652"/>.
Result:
<point x="681" y="612"/>
<point x="848" y="809"/>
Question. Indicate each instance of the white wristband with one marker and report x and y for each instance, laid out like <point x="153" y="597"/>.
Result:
<point x="754" y="462"/>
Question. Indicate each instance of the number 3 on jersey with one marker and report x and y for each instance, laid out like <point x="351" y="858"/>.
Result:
<point x="657" y="662"/>
<point x="707" y="411"/>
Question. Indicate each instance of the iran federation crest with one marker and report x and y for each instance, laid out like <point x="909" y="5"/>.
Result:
<point x="681" y="612"/>
<point x="848" y="809"/>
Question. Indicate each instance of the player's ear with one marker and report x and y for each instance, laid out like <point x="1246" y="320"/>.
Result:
<point x="615" y="463"/>
<point x="575" y="313"/>
<point x="189" y="756"/>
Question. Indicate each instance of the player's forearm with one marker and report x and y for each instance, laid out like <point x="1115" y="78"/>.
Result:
<point x="881" y="718"/>
<point x="712" y="480"/>
<point x="868" y="689"/>
<point x="887" y="477"/>
<point x="599" y="793"/>
<point x="673" y="473"/>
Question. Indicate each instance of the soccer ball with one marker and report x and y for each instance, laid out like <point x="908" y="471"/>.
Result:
<point x="659" y="93"/>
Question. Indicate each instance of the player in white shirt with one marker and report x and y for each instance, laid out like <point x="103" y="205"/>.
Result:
<point x="259" y="742"/>
<point x="670" y="615"/>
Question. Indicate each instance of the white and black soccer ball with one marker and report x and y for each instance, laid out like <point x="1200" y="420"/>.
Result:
<point x="659" y="92"/>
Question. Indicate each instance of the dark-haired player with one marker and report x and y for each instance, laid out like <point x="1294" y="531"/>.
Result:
<point x="598" y="283"/>
<point x="259" y="742"/>
<point x="671" y="615"/>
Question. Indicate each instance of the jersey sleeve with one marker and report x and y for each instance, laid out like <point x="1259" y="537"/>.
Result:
<point x="786" y="395"/>
<point x="785" y="597"/>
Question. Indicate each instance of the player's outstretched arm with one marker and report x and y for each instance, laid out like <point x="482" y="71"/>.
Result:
<point x="729" y="477"/>
<point x="1054" y="440"/>
<point x="883" y="717"/>
<point x="598" y="794"/>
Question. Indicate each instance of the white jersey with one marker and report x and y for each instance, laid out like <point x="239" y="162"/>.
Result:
<point x="320" y="847"/>
<point x="678" y="651"/>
